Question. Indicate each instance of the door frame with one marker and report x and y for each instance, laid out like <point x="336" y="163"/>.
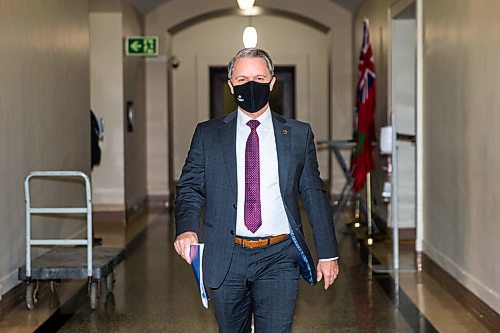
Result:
<point x="397" y="8"/>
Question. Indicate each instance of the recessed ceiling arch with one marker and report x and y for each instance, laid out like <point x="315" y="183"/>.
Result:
<point x="257" y="10"/>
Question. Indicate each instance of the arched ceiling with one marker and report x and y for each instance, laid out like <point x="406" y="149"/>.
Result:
<point x="147" y="6"/>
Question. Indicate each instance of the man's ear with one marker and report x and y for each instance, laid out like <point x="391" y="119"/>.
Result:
<point x="230" y="87"/>
<point x="271" y="84"/>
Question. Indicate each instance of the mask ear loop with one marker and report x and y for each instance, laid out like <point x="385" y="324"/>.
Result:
<point x="271" y="84"/>
<point x="231" y="87"/>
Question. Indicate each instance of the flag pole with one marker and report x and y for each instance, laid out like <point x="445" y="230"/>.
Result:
<point x="369" y="204"/>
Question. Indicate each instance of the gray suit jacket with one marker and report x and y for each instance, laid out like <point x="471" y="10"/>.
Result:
<point x="209" y="181"/>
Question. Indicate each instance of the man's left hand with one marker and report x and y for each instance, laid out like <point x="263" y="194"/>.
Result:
<point x="328" y="269"/>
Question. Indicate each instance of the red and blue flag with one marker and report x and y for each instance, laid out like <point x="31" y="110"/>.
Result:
<point x="362" y="160"/>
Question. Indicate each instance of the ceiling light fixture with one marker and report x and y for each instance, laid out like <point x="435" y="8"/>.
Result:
<point x="246" y="4"/>
<point x="250" y="37"/>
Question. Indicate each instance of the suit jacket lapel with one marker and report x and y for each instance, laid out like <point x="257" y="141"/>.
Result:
<point x="228" y="143"/>
<point x="282" y="135"/>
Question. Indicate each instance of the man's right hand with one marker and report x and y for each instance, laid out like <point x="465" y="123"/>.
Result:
<point x="183" y="243"/>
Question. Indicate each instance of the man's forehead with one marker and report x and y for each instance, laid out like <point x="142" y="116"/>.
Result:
<point x="250" y="64"/>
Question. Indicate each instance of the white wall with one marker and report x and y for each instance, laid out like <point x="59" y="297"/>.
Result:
<point x="403" y="38"/>
<point x="44" y="114"/>
<point x="461" y="139"/>
<point x="134" y="89"/>
<point x="177" y="11"/>
<point x="120" y="179"/>
<point x="210" y="43"/>
<point x="106" y="74"/>
<point x="461" y="136"/>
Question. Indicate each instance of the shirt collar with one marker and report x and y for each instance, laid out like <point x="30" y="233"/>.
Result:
<point x="264" y="119"/>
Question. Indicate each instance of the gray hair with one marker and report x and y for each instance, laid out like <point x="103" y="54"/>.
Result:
<point x="251" y="52"/>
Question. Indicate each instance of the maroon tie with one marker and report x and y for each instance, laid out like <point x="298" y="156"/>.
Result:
<point x="253" y="218"/>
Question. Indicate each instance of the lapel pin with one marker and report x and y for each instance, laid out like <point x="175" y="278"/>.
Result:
<point x="284" y="132"/>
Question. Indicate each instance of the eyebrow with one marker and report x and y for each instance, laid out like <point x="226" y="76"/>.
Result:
<point x="244" y="76"/>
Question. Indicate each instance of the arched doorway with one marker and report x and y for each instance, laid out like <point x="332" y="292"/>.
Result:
<point x="170" y="19"/>
<point x="210" y="43"/>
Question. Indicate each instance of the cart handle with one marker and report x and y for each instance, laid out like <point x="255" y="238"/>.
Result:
<point x="87" y="210"/>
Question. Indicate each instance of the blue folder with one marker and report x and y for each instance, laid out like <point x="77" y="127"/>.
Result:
<point x="196" y="255"/>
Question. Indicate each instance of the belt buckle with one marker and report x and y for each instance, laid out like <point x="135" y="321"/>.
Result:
<point x="255" y="244"/>
<point x="248" y="244"/>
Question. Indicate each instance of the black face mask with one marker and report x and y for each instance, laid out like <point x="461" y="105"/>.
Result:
<point x="251" y="96"/>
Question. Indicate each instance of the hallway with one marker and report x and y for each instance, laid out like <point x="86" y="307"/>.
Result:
<point x="63" y="58"/>
<point x="155" y="292"/>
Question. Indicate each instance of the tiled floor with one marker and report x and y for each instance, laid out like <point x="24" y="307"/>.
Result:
<point x="437" y="305"/>
<point x="156" y="292"/>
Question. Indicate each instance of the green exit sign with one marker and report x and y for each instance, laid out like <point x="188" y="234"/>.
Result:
<point x="141" y="46"/>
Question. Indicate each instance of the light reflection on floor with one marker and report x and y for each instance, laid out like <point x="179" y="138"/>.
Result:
<point x="155" y="292"/>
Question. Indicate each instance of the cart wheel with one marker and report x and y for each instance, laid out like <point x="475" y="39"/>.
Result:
<point x="54" y="286"/>
<point x="109" y="304"/>
<point x="110" y="282"/>
<point x="93" y="295"/>
<point x="32" y="295"/>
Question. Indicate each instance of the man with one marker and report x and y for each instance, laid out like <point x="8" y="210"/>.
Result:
<point x="247" y="170"/>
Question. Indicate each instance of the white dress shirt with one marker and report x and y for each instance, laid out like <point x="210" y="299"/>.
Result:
<point x="274" y="219"/>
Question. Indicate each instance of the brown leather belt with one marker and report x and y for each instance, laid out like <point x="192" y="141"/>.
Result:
<point x="261" y="242"/>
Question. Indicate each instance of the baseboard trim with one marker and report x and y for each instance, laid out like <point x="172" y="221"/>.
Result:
<point x="17" y="295"/>
<point x="133" y="211"/>
<point x="137" y="209"/>
<point x="109" y="216"/>
<point x="479" y="309"/>
<point x="12" y="298"/>
<point x="158" y="202"/>
<point x="405" y="234"/>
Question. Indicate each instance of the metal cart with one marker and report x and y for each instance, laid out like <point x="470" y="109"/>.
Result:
<point x="68" y="258"/>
